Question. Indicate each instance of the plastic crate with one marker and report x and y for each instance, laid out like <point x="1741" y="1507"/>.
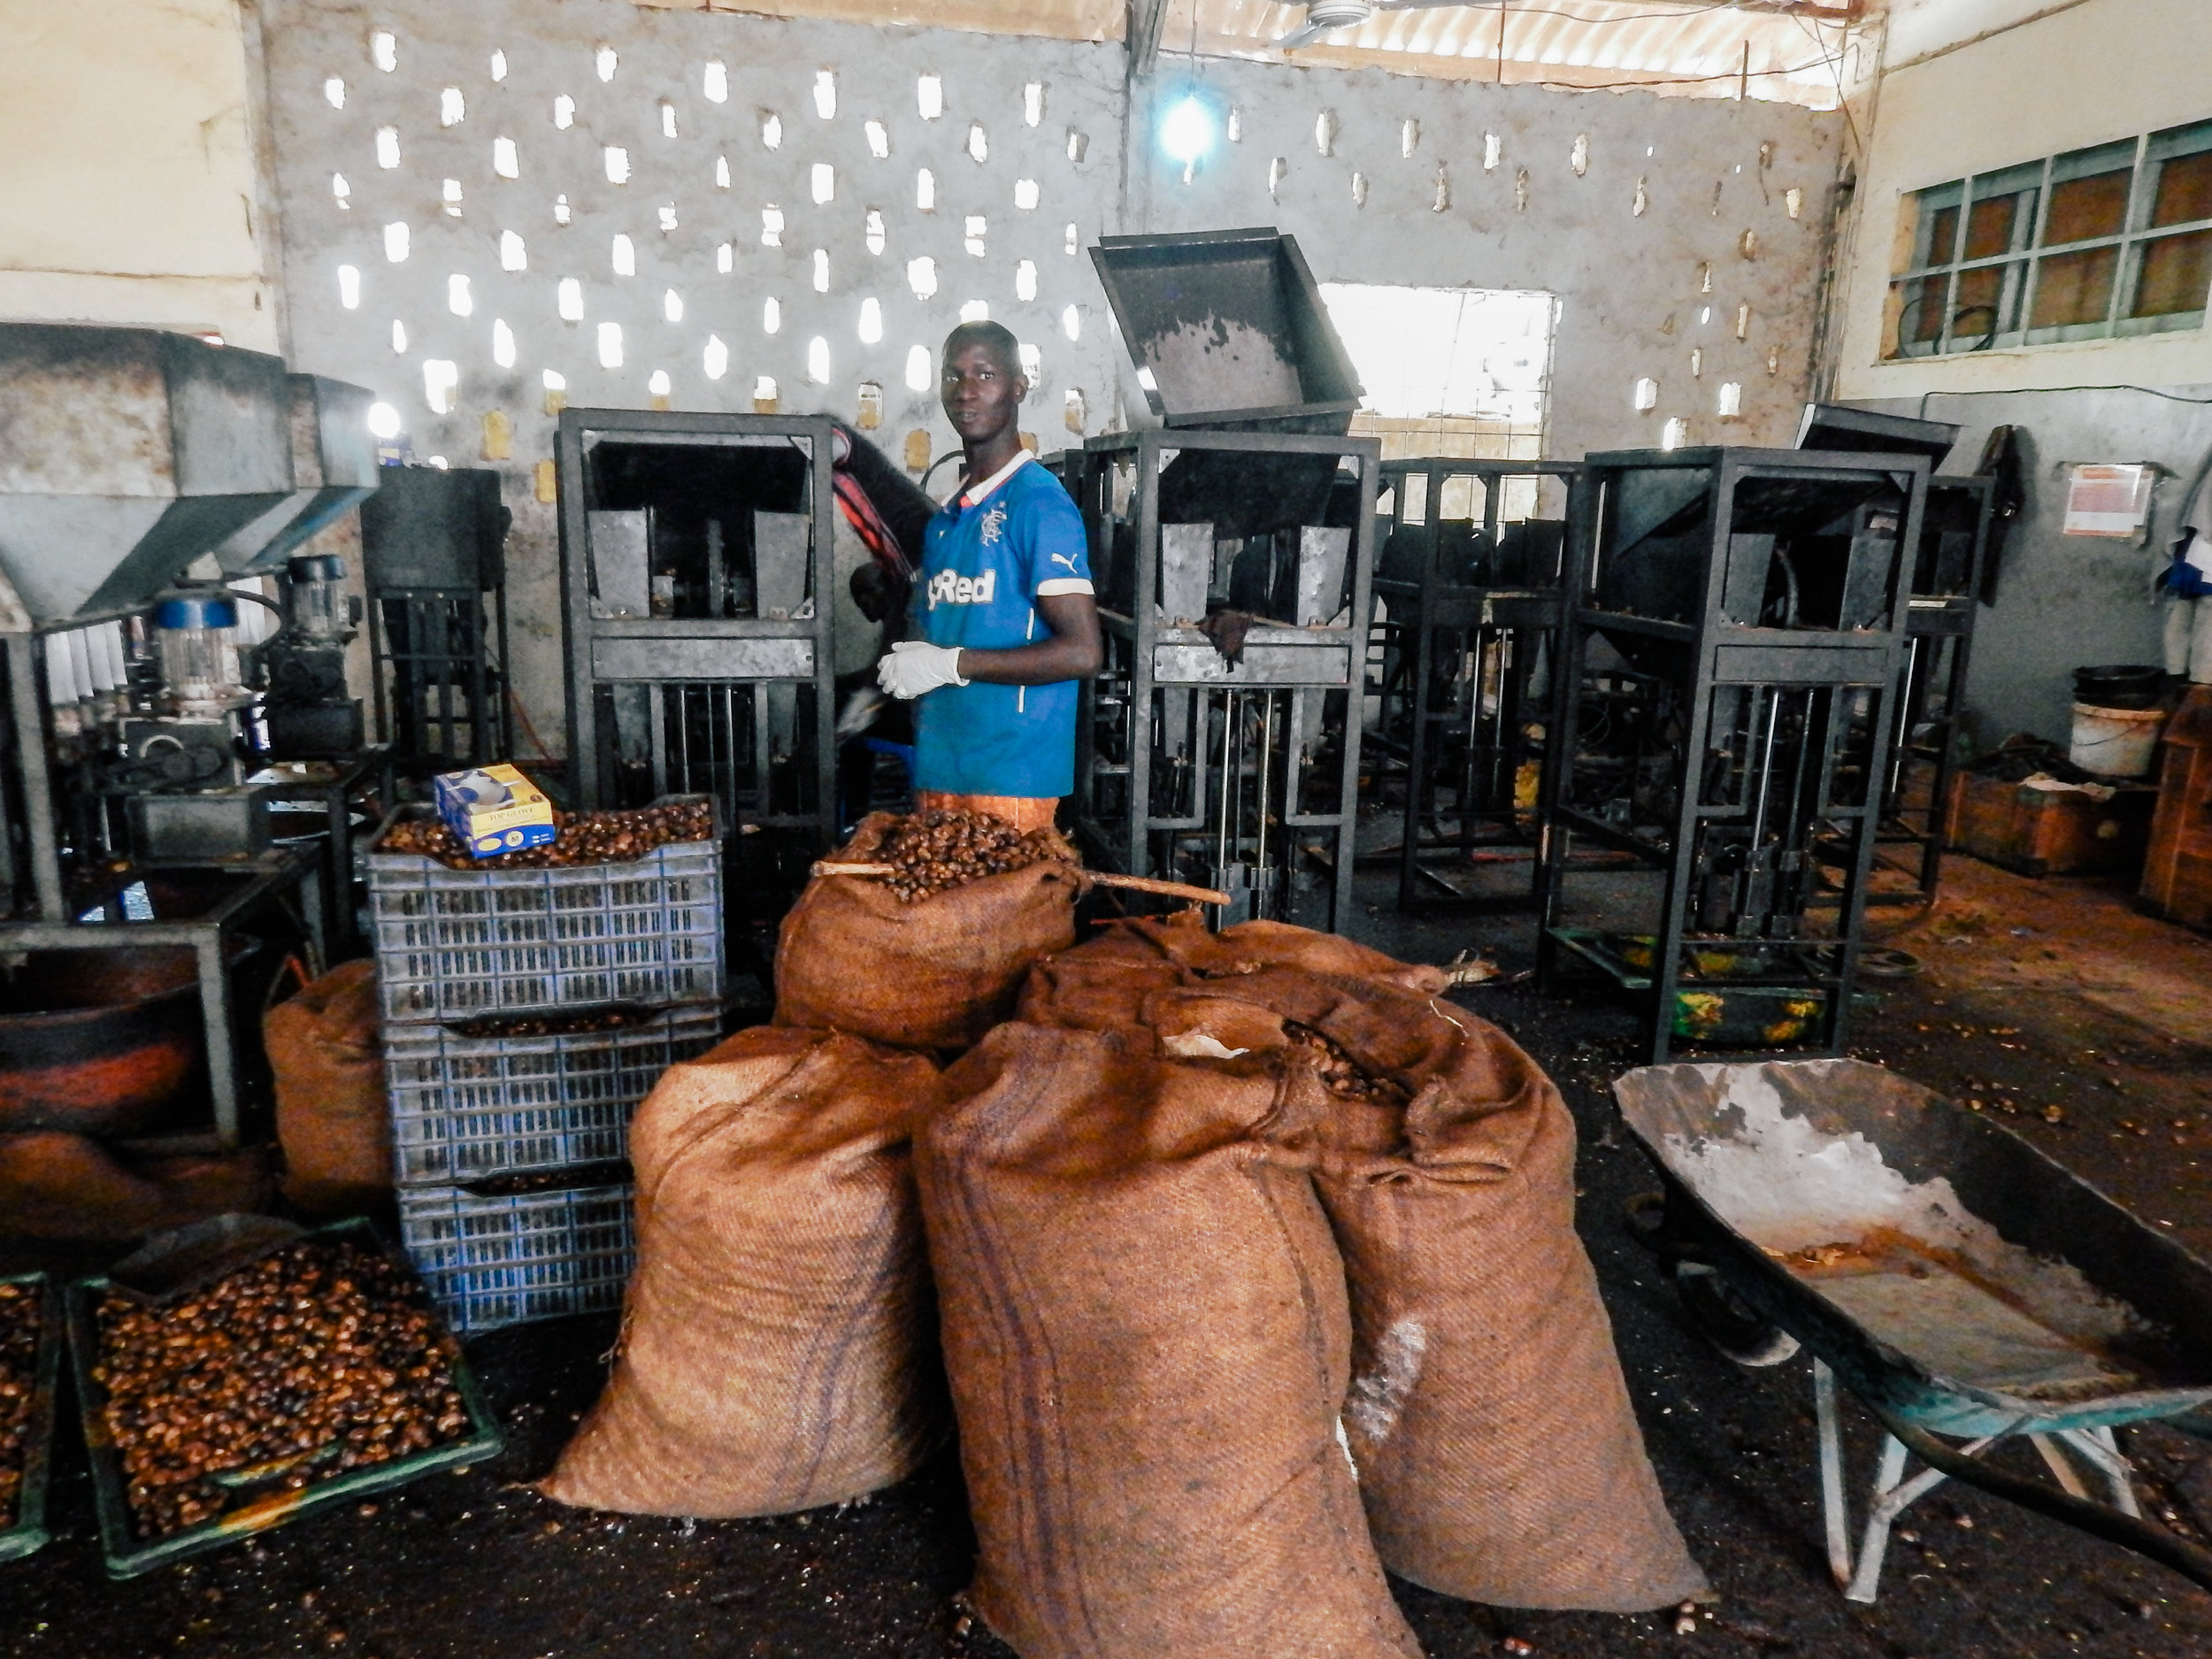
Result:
<point x="27" y="1532"/>
<point x="491" y="1261"/>
<point x="464" y="1107"/>
<point x="465" y="944"/>
<point x="128" y="1554"/>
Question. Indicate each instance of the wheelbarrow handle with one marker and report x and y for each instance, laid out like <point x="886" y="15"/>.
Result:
<point x="2145" y="1538"/>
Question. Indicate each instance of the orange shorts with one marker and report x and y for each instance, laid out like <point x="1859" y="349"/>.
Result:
<point x="1024" y="812"/>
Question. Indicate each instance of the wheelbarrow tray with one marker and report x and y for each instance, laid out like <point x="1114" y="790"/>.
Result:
<point x="1947" y="1270"/>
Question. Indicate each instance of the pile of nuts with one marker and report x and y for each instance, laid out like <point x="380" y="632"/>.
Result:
<point x="614" y="1018"/>
<point x="18" y="1375"/>
<point x="934" y="851"/>
<point x="1341" y="1075"/>
<point x="320" y="1358"/>
<point x="581" y="837"/>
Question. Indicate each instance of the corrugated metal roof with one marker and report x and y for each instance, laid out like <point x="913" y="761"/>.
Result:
<point x="1697" y="48"/>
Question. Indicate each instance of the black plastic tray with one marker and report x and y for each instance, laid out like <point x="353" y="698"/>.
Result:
<point x="127" y="1555"/>
<point x="30" y="1530"/>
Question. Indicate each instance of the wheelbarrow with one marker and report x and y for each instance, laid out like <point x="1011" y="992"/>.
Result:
<point x="1962" y="1285"/>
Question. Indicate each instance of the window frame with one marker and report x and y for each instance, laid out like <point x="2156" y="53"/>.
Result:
<point x="2022" y="262"/>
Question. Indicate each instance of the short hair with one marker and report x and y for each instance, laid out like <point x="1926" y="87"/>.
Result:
<point x="995" y="338"/>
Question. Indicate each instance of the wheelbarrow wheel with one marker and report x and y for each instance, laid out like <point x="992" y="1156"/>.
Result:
<point x="1724" y="1319"/>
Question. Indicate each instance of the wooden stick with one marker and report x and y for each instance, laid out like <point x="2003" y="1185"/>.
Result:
<point x="1101" y="877"/>
<point x="1166" y="889"/>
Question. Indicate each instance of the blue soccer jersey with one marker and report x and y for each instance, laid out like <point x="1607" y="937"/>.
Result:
<point x="991" y="552"/>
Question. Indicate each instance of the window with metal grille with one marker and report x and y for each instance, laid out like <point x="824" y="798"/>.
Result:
<point x="2114" y="239"/>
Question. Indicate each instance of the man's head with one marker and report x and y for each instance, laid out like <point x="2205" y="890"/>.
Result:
<point x="981" y="382"/>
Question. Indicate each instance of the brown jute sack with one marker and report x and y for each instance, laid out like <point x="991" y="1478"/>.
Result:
<point x="936" y="974"/>
<point x="331" y="1118"/>
<point x="1145" y="1328"/>
<point x="1499" y="1456"/>
<point x="1103" y="982"/>
<point x="778" y="1350"/>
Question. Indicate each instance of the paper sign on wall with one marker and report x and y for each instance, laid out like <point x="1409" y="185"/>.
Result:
<point x="2109" y="500"/>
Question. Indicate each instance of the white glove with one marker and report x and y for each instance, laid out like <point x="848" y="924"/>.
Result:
<point x="914" y="666"/>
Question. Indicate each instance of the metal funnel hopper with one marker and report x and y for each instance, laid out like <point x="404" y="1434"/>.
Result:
<point x="334" y="465"/>
<point x="126" y="453"/>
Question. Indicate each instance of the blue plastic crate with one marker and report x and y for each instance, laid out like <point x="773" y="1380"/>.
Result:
<point x="491" y="1261"/>
<point x="468" y="944"/>
<point x="464" y="1107"/>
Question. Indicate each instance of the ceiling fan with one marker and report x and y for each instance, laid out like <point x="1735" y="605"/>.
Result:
<point x="1326" y="16"/>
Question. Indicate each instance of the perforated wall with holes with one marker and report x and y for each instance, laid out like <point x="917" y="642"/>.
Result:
<point x="494" y="290"/>
<point x="1666" y="225"/>
<point x="1632" y="209"/>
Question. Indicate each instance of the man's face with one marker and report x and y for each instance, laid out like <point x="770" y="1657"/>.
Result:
<point x="981" y="395"/>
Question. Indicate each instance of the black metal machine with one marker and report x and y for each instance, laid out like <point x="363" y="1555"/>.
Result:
<point x="1728" y="689"/>
<point x="432" y="552"/>
<point x="1234" y="546"/>
<point x="1239" y="769"/>
<point x="1944" y="578"/>
<point x="132" y="822"/>
<point x="1469" y="587"/>
<point x="696" y="559"/>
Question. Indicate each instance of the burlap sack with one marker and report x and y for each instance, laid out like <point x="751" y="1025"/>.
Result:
<point x="69" y="1188"/>
<point x="1103" y="982"/>
<point x="937" y="973"/>
<point x="332" y="1121"/>
<point x="1499" y="1456"/>
<point x="1145" y="1328"/>
<point x="777" y="1349"/>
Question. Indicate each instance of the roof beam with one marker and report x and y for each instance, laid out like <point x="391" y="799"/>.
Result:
<point x="1146" y="19"/>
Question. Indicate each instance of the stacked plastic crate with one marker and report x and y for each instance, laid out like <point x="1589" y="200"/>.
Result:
<point x="525" y="1013"/>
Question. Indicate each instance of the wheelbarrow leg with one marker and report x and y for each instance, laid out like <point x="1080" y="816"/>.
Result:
<point x="1834" y="1502"/>
<point x="2102" y="1451"/>
<point x="1892" y="1495"/>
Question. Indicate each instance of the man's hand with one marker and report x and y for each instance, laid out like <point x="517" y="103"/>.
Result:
<point x="914" y="666"/>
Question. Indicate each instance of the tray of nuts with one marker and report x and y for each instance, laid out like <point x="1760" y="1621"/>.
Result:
<point x="313" y="1375"/>
<point x="30" y="1365"/>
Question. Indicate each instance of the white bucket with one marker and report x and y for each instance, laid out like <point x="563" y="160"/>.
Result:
<point x="2115" y="742"/>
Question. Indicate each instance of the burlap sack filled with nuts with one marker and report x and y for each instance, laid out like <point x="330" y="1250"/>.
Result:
<point x="933" y="974"/>
<point x="1103" y="982"/>
<point x="777" y="1346"/>
<point x="1499" y="1456"/>
<point x="1145" y="1328"/>
<point x="331" y="1118"/>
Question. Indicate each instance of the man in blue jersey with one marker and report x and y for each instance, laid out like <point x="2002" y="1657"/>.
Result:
<point x="1003" y="621"/>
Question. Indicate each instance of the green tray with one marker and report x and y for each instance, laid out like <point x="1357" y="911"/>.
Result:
<point x="29" y="1532"/>
<point x="127" y="1555"/>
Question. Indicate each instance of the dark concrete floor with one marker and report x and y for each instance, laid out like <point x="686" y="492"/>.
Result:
<point x="2103" y="1028"/>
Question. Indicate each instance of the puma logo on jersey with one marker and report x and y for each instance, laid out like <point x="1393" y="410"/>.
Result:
<point x="1067" y="559"/>
<point x="946" y="589"/>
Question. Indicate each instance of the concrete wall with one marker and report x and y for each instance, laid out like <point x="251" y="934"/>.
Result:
<point x="1646" y="245"/>
<point x="2067" y="602"/>
<point x="2082" y="75"/>
<point x="1715" y="184"/>
<point x="128" y="190"/>
<point x="1985" y="85"/>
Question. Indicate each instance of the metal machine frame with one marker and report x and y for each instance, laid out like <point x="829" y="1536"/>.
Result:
<point x="1765" y="727"/>
<point x="65" y="922"/>
<point x="1149" y="652"/>
<point x="1940" y="619"/>
<point x="700" y="669"/>
<point x="1500" y="630"/>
